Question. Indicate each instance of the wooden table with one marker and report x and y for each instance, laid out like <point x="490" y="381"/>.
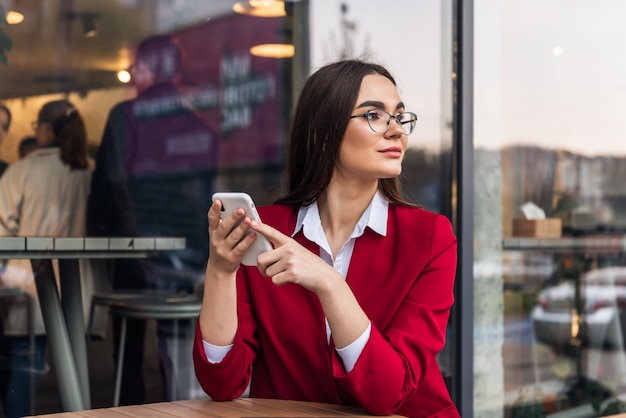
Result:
<point x="200" y="408"/>
<point x="63" y="313"/>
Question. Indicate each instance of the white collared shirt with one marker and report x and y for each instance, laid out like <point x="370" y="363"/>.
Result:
<point x="375" y="217"/>
<point x="309" y="221"/>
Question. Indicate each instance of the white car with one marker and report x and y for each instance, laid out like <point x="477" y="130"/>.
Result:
<point x="602" y="316"/>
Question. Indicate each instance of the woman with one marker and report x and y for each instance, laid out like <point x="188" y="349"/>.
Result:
<point x="351" y="305"/>
<point x="44" y="194"/>
<point x="5" y="124"/>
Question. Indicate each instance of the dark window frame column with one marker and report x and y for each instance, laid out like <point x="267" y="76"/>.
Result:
<point x="462" y="338"/>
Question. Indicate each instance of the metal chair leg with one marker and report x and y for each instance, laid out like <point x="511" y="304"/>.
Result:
<point x="174" y="361"/>
<point x="120" y="362"/>
<point x="31" y="343"/>
<point x="92" y="310"/>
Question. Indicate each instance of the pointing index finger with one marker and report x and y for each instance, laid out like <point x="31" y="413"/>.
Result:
<point x="276" y="237"/>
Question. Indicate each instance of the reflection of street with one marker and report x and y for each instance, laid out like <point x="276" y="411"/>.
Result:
<point x="536" y="369"/>
<point x="600" y="319"/>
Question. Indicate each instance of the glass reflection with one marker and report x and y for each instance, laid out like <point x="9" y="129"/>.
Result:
<point x="547" y="132"/>
<point x="246" y="100"/>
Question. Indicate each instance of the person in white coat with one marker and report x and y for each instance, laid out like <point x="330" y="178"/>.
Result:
<point x="5" y="124"/>
<point x="44" y="194"/>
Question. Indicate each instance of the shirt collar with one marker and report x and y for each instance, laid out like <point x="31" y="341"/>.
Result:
<point x="374" y="217"/>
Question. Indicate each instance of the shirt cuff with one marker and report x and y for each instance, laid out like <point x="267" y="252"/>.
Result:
<point x="350" y="353"/>
<point x="215" y="353"/>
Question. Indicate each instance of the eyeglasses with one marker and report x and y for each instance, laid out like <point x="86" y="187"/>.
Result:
<point x="379" y="120"/>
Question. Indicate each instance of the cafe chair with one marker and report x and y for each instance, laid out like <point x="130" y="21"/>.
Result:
<point x="19" y="296"/>
<point x="156" y="307"/>
<point x="106" y="299"/>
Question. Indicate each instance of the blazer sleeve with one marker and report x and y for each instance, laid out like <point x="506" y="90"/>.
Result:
<point x="400" y="359"/>
<point x="229" y="378"/>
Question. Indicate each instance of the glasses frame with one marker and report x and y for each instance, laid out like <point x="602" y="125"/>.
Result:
<point x="397" y="117"/>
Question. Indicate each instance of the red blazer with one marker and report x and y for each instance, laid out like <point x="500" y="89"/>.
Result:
<point x="404" y="283"/>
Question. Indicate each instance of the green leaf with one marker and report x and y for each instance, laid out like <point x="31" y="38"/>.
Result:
<point x="6" y="43"/>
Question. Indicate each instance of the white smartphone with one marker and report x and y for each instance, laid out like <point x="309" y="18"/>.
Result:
<point x="230" y="202"/>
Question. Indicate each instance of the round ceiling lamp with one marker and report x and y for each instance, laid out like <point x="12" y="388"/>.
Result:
<point x="14" y="18"/>
<point x="124" y="76"/>
<point x="273" y="50"/>
<point x="261" y="8"/>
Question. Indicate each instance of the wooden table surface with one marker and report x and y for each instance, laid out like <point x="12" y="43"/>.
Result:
<point x="201" y="408"/>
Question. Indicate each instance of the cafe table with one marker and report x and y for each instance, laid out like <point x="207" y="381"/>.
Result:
<point x="204" y="408"/>
<point x="62" y="312"/>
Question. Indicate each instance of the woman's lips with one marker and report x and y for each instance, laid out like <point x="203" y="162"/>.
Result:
<point x="395" y="152"/>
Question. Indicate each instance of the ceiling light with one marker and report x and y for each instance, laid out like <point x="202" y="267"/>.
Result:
<point x="123" y="76"/>
<point x="273" y="50"/>
<point x="14" y="18"/>
<point x="261" y="8"/>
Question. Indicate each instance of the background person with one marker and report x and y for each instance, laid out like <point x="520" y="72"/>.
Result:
<point x="44" y="194"/>
<point x="5" y="124"/>
<point x="5" y="351"/>
<point x="26" y="146"/>
<point x="351" y="305"/>
<point x="154" y="176"/>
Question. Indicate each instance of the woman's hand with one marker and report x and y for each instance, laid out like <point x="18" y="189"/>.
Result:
<point x="290" y="262"/>
<point x="226" y="246"/>
<point x="218" y="316"/>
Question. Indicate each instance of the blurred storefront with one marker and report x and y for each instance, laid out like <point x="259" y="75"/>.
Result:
<point x="517" y="102"/>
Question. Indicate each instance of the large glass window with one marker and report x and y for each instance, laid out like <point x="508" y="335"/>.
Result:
<point x="549" y="205"/>
<point x="219" y="117"/>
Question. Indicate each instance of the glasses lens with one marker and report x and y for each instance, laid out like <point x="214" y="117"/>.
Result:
<point x="378" y="120"/>
<point x="407" y="120"/>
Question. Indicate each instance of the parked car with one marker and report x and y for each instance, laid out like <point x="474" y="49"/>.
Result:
<point x="602" y="316"/>
<point x="519" y="271"/>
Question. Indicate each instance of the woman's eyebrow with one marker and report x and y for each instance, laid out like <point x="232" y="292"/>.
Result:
<point x="377" y="104"/>
<point x="371" y="103"/>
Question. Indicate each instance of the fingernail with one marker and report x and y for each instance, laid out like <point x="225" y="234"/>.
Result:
<point x="254" y="224"/>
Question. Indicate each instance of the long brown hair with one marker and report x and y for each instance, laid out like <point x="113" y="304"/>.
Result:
<point x="320" y="120"/>
<point x="69" y="131"/>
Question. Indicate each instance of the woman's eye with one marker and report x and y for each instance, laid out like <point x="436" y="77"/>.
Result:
<point x="373" y="115"/>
